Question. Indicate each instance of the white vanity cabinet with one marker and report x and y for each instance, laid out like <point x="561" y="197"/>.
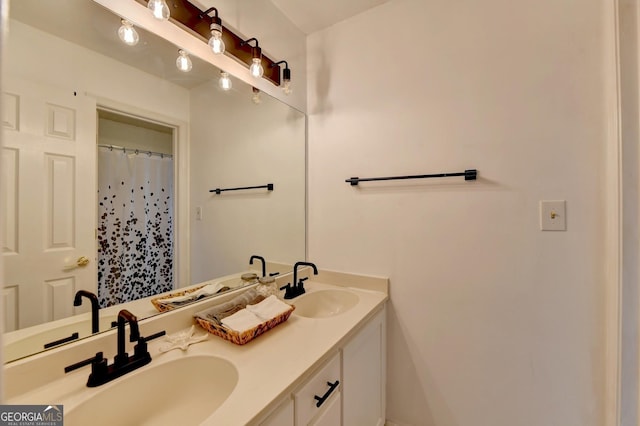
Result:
<point x="358" y="398"/>
<point x="364" y="375"/>
<point x="337" y="350"/>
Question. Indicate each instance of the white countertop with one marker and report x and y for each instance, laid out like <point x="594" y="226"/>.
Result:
<point x="269" y="367"/>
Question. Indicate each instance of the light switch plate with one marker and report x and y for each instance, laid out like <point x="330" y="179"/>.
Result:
<point x="553" y="216"/>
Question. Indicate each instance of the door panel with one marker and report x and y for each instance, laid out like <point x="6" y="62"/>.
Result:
<point x="49" y="196"/>
<point x="10" y="162"/>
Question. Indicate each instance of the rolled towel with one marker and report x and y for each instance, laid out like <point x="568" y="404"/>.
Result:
<point x="269" y="308"/>
<point x="207" y="290"/>
<point x="241" y="321"/>
<point x="218" y="312"/>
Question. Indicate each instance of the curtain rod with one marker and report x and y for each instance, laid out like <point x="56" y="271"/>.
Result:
<point x="136" y="151"/>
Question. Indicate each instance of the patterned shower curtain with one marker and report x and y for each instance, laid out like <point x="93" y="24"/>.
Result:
<point x="135" y="225"/>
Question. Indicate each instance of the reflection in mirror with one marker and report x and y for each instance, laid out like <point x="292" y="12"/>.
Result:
<point x="62" y="85"/>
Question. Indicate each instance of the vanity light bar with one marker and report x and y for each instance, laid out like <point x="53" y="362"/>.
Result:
<point x="196" y="22"/>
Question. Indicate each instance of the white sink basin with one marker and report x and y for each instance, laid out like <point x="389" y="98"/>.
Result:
<point x="325" y="303"/>
<point x="184" y="391"/>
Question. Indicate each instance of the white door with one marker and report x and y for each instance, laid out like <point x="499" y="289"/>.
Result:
<point x="49" y="201"/>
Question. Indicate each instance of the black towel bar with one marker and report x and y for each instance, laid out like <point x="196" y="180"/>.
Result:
<point x="470" y="174"/>
<point x="268" y="186"/>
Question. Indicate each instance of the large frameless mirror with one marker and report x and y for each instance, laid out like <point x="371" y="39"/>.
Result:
<point x="110" y="153"/>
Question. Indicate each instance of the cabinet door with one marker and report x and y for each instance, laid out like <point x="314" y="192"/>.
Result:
<point x="363" y="373"/>
<point x="330" y="415"/>
<point x="281" y="416"/>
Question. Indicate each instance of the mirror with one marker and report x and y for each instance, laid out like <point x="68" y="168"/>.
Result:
<point x="219" y="139"/>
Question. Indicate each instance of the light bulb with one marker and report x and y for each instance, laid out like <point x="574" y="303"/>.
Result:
<point x="159" y="9"/>
<point x="256" y="69"/>
<point x="286" y="78"/>
<point x="128" y="34"/>
<point x="256" y="96"/>
<point x="215" y="42"/>
<point x="183" y="62"/>
<point x="225" y="81"/>
<point x="286" y="87"/>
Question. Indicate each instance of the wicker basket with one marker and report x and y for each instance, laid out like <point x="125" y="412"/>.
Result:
<point x="161" y="307"/>
<point x="246" y="336"/>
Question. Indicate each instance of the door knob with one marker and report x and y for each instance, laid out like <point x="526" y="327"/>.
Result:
<point x="82" y="261"/>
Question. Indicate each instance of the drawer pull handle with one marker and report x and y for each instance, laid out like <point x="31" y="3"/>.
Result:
<point x="323" y="398"/>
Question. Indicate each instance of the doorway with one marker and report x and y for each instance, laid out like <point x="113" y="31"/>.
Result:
<point x="135" y="224"/>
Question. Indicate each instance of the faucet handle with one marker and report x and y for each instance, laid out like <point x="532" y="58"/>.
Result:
<point x="289" y="291"/>
<point x="140" y="349"/>
<point x="99" y="369"/>
<point x="99" y="357"/>
<point x="301" y="285"/>
<point x="153" y="336"/>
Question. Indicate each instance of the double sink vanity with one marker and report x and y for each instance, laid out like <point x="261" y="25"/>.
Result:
<point x="324" y="366"/>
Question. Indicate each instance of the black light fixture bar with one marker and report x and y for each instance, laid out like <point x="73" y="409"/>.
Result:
<point x="215" y="17"/>
<point x="198" y="23"/>
<point x="268" y="186"/>
<point x="470" y="174"/>
<point x="286" y="74"/>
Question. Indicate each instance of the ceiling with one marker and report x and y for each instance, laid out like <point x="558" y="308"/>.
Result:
<point x="313" y="15"/>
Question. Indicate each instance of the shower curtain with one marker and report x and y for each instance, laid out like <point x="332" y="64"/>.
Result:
<point x="135" y="225"/>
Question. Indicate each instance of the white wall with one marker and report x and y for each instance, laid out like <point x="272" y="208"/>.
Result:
<point x="492" y="321"/>
<point x="134" y="136"/>
<point x="42" y="58"/>
<point x="235" y="143"/>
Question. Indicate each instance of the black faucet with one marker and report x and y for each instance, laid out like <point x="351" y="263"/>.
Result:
<point x="125" y="316"/>
<point x="297" y="288"/>
<point x="101" y="372"/>
<point x="264" y="263"/>
<point x="95" y="307"/>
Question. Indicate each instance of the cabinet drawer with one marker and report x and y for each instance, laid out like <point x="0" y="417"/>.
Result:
<point x="322" y="384"/>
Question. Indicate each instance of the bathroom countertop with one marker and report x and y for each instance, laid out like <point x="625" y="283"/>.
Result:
<point x="269" y="367"/>
<point x="273" y="364"/>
